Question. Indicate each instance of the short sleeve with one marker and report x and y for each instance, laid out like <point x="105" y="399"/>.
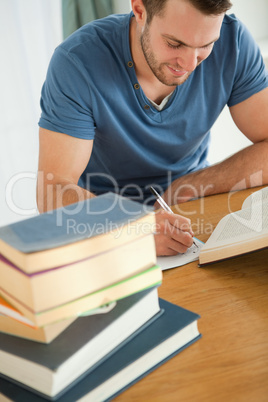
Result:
<point x="251" y="76"/>
<point x="65" y="98"/>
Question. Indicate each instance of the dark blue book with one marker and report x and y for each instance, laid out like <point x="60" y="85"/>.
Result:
<point x="166" y="336"/>
<point x="51" y="368"/>
<point x="75" y="232"/>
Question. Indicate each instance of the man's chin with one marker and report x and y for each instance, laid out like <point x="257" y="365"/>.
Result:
<point x="175" y="82"/>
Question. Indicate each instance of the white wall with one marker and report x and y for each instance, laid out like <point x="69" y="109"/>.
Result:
<point x="226" y="138"/>
<point x="121" y="6"/>
<point x="254" y="14"/>
<point x="29" y="32"/>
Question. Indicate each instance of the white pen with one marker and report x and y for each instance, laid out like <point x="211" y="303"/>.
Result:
<point x="163" y="204"/>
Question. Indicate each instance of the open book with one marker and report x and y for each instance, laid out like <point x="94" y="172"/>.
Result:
<point x="239" y="232"/>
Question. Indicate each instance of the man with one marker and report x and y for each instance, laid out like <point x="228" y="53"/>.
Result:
<point x="129" y="102"/>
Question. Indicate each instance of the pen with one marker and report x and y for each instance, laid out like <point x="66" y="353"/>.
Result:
<point x="163" y="204"/>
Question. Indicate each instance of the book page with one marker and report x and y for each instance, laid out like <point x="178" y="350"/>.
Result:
<point x="106" y="308"/>
<point x="239" y="232"/>
<point x="173" y="261"/>
<point x="259" y="197"/>
<point x="247" y="223"/>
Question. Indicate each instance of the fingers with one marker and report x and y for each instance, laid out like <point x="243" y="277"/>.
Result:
<point x="179" y="222"/>
<point x="167" y="246"/>
<point x="173" y="235"/>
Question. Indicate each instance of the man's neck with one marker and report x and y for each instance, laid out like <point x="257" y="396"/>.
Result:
<point x="152" y="87"/>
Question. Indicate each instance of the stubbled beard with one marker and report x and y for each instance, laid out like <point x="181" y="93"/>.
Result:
<point x="156" y="68"/>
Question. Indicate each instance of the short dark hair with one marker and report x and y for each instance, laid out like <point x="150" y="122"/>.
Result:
<point x="208" y="7"/>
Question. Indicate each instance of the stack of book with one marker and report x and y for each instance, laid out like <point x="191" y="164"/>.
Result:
<point x="80" y="313"/>
<point x="77" y="258"/>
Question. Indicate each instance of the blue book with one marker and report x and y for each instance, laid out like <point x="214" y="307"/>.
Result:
<point x="166" y="336"/>
<point x="51" y="369"/>
<point x="75" y="232"/>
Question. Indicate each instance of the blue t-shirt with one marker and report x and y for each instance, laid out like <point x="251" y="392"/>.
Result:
<point x="92" y="92"/>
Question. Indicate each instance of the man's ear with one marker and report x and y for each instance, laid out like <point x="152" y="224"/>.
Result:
<point x="139" y="11"/>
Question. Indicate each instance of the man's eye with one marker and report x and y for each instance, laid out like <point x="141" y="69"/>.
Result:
<point x="174" y="46"/>
<point x="208" y="46"/>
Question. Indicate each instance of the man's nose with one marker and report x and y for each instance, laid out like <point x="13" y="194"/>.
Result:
<point x="188" y="59"/>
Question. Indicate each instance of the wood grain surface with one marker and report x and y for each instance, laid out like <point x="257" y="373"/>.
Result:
<point x="230" y="361"/>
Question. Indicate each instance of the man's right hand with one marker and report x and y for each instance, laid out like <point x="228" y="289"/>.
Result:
<point x="173" y="233"/>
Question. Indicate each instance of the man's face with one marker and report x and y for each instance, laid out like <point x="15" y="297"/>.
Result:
<point x="177" y="42"/>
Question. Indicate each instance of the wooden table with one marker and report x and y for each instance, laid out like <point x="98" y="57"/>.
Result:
<point x="230" y="362"/>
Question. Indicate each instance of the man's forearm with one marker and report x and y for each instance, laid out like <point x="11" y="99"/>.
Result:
<point x="55" y="195"/>
<point x="247" y="168"/>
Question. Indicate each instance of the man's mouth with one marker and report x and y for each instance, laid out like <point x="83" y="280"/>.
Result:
<point x="178" y="73"/>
